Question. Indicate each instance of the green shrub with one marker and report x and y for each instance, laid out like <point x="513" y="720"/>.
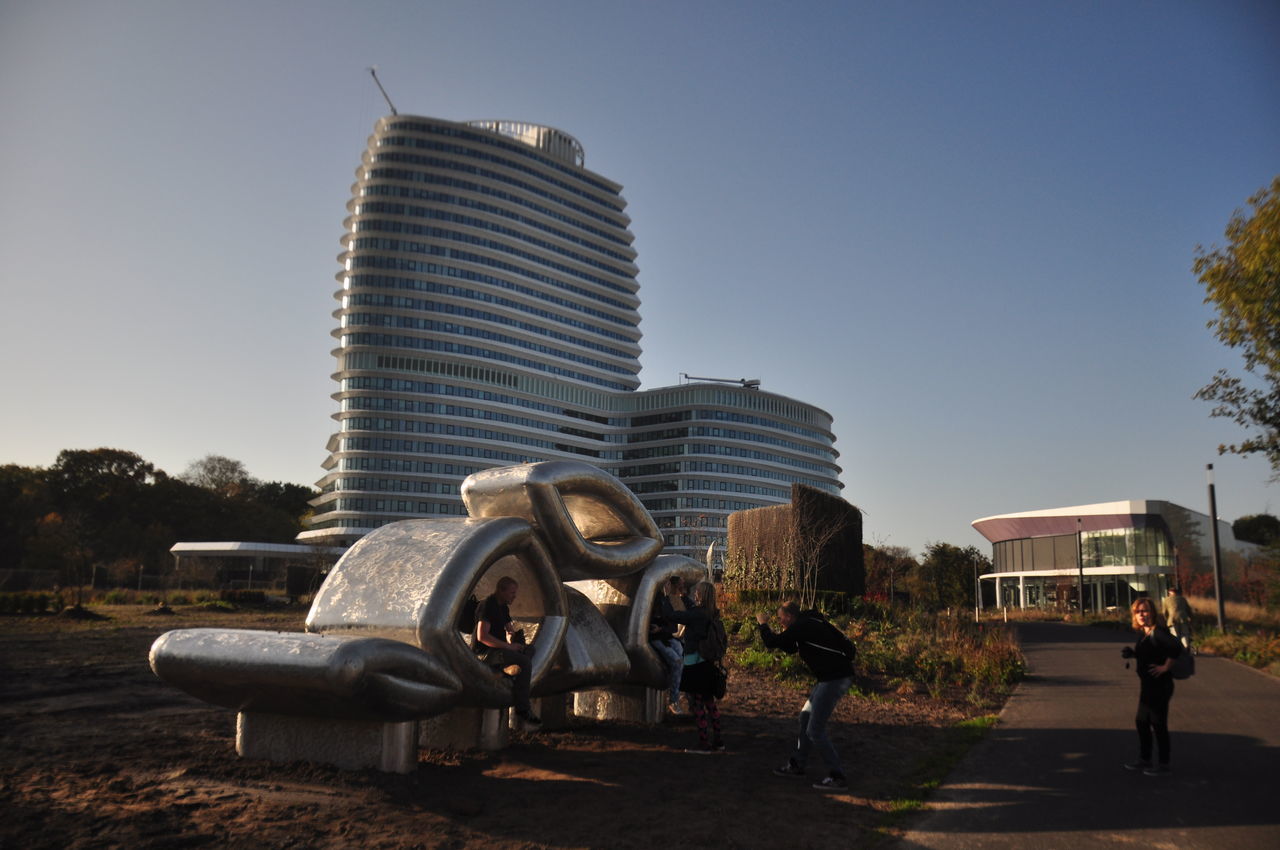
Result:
<point x="116" y="596"/>
<point x="218" y="605"/>
<point x="1258" y="648"/>
<point x="179" y="599"/>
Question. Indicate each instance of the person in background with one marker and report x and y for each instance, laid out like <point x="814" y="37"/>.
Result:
<point x="663" y="639"/>
<point x="697" y="678"/>
<point x="1177" y="614"/>
<point x="500" y="644"/>
<point x="1154" y="654"/>
<point x="829" y="656"/>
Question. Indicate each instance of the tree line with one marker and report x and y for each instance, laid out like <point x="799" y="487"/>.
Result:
<point x="109" y="509"/>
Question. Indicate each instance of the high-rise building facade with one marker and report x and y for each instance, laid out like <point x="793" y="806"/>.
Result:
<point x="488" y="315"/>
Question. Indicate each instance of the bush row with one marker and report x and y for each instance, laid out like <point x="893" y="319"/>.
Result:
<point x="28" y="602"/>
<point x="909" y="649"/>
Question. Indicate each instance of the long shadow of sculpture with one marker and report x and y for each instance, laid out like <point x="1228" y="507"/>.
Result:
<point x="382" y="665"/>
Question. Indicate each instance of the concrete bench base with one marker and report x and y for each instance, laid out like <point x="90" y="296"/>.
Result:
<point x="348" y="744"/>
<point x="466" y="728"/>
<point x="630" y="703"/>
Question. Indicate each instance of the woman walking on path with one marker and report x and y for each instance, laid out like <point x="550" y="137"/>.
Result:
<point x="698" y="677"/>
<point x="1154" y="654"/>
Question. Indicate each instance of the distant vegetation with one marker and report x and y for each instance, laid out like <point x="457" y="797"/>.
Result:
<point x="108" y="514"/>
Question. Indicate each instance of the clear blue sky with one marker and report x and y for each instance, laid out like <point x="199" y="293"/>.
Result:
<point x="965" y="229"/>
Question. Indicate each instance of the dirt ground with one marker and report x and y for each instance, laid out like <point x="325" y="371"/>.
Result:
<point x="95" y="751"/>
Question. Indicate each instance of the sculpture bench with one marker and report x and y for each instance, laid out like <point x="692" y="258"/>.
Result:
<point x="382" y="667"/>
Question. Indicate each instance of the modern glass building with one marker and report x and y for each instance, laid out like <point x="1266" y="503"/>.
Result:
<point x="488" y="315"/>
<point x="1122" y="549"/>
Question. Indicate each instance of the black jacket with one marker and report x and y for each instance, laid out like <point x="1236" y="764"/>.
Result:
<point x="696" y="622"/>
<point x="1155" y="648"/>
<point x="812" y="637"/>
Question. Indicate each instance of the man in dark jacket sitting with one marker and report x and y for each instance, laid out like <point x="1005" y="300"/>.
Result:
<point x="829" y="656"/>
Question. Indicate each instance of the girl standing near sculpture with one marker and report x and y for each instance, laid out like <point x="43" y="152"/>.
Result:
<point x="698" y="678"/>
<point x="1153" y="654"/>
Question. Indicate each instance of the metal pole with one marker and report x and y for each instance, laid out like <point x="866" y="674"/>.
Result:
<point x="1080" y="566"/>
<point x="977" y="590"/>
<point x="1217" y="556"/>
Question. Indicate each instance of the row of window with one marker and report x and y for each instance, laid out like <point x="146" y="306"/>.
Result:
<point x="424" y="267"/>
<point x="438" y="235"/>
<point x="424" y="344"/>
<point x="398" y="485"/>
<point x="698" y="502"/>
<point x="730" y="416"/>
<point x="752" y="454"/>
<point x="417" y="426"/>
<point x="414" y="229"/>
<point x="668" y="485"/>
<point x="414" y="211"/>
<point x="396" y="506"/>
<point x="372" y="299"/>
<point x="420" y="324"/>
<point x="368" y="360"/>
<point x="402" y="405"/>
<point x="421" y="447"/>
<point x="405" y="385"/>
<point x="568" y="393"/>
<point x="726" y="433"/>
<point x="728" y="451"/>
<point x="610" y="200"/>
<point x="735" y="487"/>
<point x="756" y="472"/>
<point x="517" y="148"/>
<point x="383" y="190"/>
<point x="1112" y="548"/>
<point x="395" y="464"/>
<point x="698" y="540"/>
<point x="384" y="167"/>
<point x="413" y="426"/>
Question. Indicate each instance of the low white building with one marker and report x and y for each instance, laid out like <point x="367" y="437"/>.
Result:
<point x="1115" y="551"/>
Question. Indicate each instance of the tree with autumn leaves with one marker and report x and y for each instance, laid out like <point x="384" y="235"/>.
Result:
<point x="1242" y="282"/>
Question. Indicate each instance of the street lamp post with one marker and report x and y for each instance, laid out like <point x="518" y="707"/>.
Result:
<point x="977" y="590"/>
<point x="1080" y="566"/>
<point x="1217" y="556"/>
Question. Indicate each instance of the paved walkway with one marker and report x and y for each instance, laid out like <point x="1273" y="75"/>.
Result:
<point x="1049" y="775"/>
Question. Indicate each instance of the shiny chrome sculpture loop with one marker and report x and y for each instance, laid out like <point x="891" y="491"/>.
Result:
<point x="381" y="641"/>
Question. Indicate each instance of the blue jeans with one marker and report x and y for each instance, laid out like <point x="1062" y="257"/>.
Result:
<point x="672" y="654"/>
<point x="813" y="723"/>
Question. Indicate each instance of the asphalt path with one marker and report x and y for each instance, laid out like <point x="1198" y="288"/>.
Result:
<point x="1050" y="774"/>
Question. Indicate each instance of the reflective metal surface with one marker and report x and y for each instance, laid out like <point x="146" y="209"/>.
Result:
<point x="381" y="641"/>
<point x="594" y="526"/>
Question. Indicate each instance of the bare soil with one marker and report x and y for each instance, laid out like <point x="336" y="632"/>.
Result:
<point x="95" y="751"/>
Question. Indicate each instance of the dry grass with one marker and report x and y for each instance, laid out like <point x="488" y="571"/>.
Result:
<point x="1241" y="613"/>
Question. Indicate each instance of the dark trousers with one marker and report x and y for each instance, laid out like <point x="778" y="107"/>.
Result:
<point x="498" y="657"/>
<point x="1153" y="716"/>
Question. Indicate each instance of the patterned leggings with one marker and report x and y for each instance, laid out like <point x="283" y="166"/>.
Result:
<point x="706" y="713"/>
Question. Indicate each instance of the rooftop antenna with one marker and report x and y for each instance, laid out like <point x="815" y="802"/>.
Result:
<point x="747" y="383"/>
<point x="373" y="72"/>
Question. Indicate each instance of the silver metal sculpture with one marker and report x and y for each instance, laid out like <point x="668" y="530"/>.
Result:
<point x="381" y="650"/>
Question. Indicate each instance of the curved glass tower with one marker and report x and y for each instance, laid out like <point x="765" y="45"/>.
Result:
<point x="488" y="315"/>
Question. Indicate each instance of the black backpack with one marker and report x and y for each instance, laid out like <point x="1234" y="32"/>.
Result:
<point x="713" y="646"/>
<point x="467" y="619"/>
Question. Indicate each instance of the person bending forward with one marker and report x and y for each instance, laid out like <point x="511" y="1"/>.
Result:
<point x="825" y="652"/>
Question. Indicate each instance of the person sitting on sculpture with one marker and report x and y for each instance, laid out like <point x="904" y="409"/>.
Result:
<point x="500" y="644"/>
<point x="697" y="678"/>
<point x="662" y="637"/>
